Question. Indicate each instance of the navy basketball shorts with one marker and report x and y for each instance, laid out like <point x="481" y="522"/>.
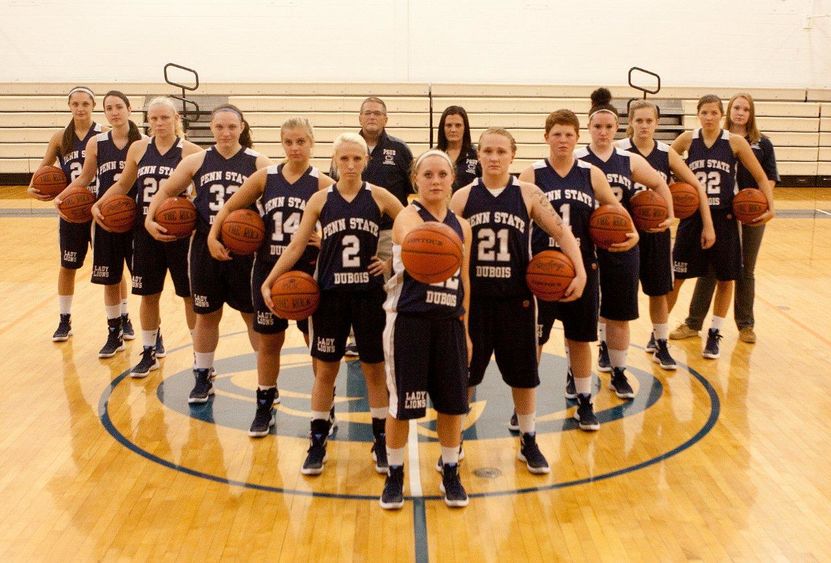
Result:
<point x="266" y="322"/>
<point x="151" y="261"/>
<point x="656" y="263"/>
<point x="724" y="258"/>
<point x="74" y="242"/>
<point x="425" y="357"/>
<point x="619" y="284"/>
<point x="363" y="311"/>
<point x="579" y="317"/>
<point x="214" y="283"/>
<point x="506" y="327"/>
<point x="109" y="253"/>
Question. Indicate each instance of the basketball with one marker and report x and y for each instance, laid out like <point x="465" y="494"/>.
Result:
<point x="649" y="209"/>
<point x="609" y="224"/>
<point x="749" y="204"/>
<point x="76" y="205"/>
<point x="49" y="180"/>
<point x="548" y="275"/>
<point x="295" y="295"/>
<point x="243" y="231"/>
<point x="177" y="215"/>
<point x="119" y="213"/>
<point x="685" y="199"/>
<point x="432" y="252"/>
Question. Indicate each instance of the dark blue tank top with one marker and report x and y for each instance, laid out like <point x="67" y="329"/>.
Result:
<point x="501" y="244"/>
<point x="73" y="162"/>
<point x="657" y="159"/>
<point x="349" y="241"/>
<point x="436" y="300"/>
<point x="715" y="168"/>
<point x="111" y="161"/>
<point x="217" y="180"/>
<point x="618" y="171"/>
<point x="153" y="170"/>
<point x="572" y="196"/>
<point x="281" y="207"/>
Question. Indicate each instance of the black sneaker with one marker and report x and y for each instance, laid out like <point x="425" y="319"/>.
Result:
<point x="379" y="454"/>
<point x="513" y="424"/>
<point x="604" y="364"/>
<point x="711" y="350"/>
<point x="127" y="332"/>
<point x="114" y="341"/>
<point x="392" y="498"/>
<point x="530" y="453"/>
<point x="203" y="387"/>
<point x="147" y="363"/>
<point x="584" y="415"/>
<point x="351" y="350"/>
<point x="571" y="387"/>
<point x="662" y="356"/>
<point x="276" y="400"/>
<point x="64" y="330"/>
<point x="620" y="385"/>
<point x="440" y="462"/>
<point x="451" y="487"/>
<point x="316" y="454"/>
<point x="264" y="418"/>
<point x="651" y="346"/>
<point x="333" y="422"/>
<point x="160" y="351"/>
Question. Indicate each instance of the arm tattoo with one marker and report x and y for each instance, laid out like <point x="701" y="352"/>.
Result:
<point x="547" y="208"/>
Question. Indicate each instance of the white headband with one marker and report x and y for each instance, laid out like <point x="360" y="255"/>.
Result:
<point x="83" y="89"/>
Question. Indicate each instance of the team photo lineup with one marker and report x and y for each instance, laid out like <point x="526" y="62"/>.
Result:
<point x="423" y="267"/>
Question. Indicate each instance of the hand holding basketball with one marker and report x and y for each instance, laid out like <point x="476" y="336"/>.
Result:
<point x="217" y="250"/>
<point x="47" y="182"/>
<point x="157" y="231"/>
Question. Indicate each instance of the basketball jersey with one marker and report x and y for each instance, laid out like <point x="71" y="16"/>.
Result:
<point x="436" y="300"/>
<point x="715" y="168"/>
<point x="154" y="169"/>
<point x="349" y="241"/>
<point x="618" y="171"/>
<point x="111" y="160"/>
<point x="572" y="196"/>
<point x="501" y="240"/>
<point x="657" y="159"/>
<point x="217" y="180"/>
<point x="73" y="162"/>
<point x="281" y="207"/>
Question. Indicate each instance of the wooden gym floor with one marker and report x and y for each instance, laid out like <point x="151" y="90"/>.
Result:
<point x="720" y="460"/>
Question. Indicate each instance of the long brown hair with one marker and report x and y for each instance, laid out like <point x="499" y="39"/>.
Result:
<point x="753" y="133"/>
<point x="245" y="137"/>
<point x="133" y="134"/>
<point x="68" y="138"/>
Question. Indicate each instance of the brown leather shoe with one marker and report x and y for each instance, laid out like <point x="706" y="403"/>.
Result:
<point x="682" y="332"/>
<point x="746" y="334"/>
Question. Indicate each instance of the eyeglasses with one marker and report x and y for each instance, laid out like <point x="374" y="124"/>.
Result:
<point x="373" y="113"/>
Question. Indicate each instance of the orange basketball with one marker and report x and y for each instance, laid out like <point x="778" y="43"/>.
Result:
<point x="432" y="252"/>
<point x="649" y="209"/>
<point x="243" y="231"/>
<point x="177" y="215"/>
<point x="76" y="204"/>
<point x="548" y="275"/>
<point x="749" y="204"/>
<point x="49" y="180"/>
<point x="119" y="213"/>
<point x="295" y="295"/>
<point x="609" y="224"/>
<point x="685" y="199"/>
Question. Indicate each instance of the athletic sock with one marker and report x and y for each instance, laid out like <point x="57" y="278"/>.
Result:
<point x="204" y="360"/>
<point x="148" y="338"/>
<point x="661" y="331"/>
<point x="717" y="321"/>
<point x="113" y="311"/>
<point x="395" y="456"/>
<point x="449" y="456"/>
<point x="601" y="331"/>
<point x="618" y="358"/>
<point x="583" y="385"/>
<point x="65" y="304"/>
<point x="527" y="422"/>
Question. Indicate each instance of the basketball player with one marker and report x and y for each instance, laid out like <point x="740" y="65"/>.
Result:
<point x="217" y="174"/>
<point x="350" y="276"/>
<point x="713" y="154"/>
<point x="741" y="120"/>
<point x="500" y="209"/>
<point x="574" y="188"/>
<point x="105" y="157"/>
<point x="655" y="248"/>
<point x="426" y="343"/>
<point x="619" y="270"/>
<point x="281" y="192"/>
<point x="454" y="139"/>
<point x="148" y="165"/>
<point x="69" y="148"/>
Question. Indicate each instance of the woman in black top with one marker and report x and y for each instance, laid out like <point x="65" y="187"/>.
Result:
<point x="454" y="139"/>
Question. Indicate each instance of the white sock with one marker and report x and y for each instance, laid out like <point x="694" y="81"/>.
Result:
<point x="601" y="331"/>
<point x="65" y="304"/>
<point x="148" y="338"/>
<point x="395" y="456"/>
<point x="123" y="306"/>
<point x="449" y="456"/>
<point x="717" y="323"/>
<point x="618" y="358"/>
<point x="266" y="387"/>
<point x="204" y="360"/>
<point x="113" y="311"/>
<point x="583" y="385"/>
<point x="320" y="415"/>
<point x="527" y="422"/>
<point x="661" y="331"/>
<point x="378" y="412"/>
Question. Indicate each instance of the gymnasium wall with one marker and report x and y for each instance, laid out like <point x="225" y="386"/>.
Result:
<point x="743" y="43"/>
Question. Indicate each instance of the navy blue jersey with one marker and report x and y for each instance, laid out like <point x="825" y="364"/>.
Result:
<point x="349" y="241"/>
<point x="281" y="207"/>
<point x="763" y="150"/>
<point x="715" y="168"/>
<point x="572" y="196"/>
<point x="111" y="160"/>
<point x="217" y="180"/>
<point x="467" y="169"/>
<point x="501" y="240"/>
<point x="658" y="158"/>
<point x="436" y="300"/>
<point x="154" y="169"/>
<point x="73" y="162"/>
<point x="618" y="171"/>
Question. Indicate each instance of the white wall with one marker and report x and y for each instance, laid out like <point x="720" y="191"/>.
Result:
<point x="728" y="43"/>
